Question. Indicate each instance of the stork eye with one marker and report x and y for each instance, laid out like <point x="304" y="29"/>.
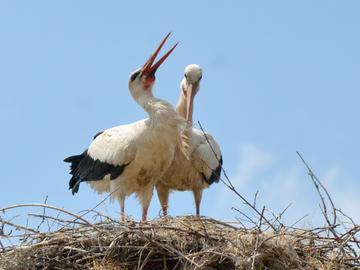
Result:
<point x="133" y="77"/>
<point x="200" y="78"/>
<point x="185" y="76"/>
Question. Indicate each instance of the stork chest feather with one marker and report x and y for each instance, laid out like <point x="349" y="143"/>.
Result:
<point x="183" y="174"/>
<point x="155" y="154"/>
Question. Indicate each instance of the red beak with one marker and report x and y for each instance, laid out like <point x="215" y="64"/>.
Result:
<point x="149" y="69"/>
<point x="191" y="91"/>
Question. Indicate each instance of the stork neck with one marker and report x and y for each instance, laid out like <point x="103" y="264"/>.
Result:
<point x="143" y="99"/>
<point x="157" y="108"/>
<point x="159" y="111"/>
<point x="149" y="106"/>
<point x="181" y="105"/>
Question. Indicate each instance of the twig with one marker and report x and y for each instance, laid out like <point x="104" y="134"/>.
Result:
<point x="231" y="186"/>
<point x="245" y="215"/>
<point x="255" y="197"/>
<point x="56" y="219"/>
<point x="97" y="205"/>
<point x="257" y="239"/>
<point x="19" y="227"/>
<point x="279" y="216"/>
<point x="50" y="207"/>
<point x="317" y="183"/>
<point x="331" y="225"/>
<point x="146" y="260"/>
<point x="44" y="212"/>
<point x="296" y="222"/>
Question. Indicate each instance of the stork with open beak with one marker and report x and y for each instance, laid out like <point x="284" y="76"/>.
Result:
<point x="205" y="160"/>
<point x="129" y="158"/>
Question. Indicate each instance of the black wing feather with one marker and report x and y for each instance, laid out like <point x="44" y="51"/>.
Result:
<point x="85" y="168"/>
<point x="97" y="134"/>
<point x="215" y="175"/>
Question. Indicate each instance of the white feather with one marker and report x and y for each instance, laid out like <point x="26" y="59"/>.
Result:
<point x="193" y="173"/>
<point x="147" y="146"/>
<point x="187" y="174"/>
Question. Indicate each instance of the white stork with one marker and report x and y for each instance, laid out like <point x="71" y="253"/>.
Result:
<point x="204" y="165"/>
<point x="129" y="158"/>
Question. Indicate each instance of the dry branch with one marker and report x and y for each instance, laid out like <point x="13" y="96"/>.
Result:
<point x="174" y="243"/>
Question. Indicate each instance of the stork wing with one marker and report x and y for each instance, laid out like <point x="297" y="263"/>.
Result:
<point x="208" y="157"/>
<point x="107" y="156"/>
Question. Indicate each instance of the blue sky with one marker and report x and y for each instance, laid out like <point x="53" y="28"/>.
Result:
<point x="279" y="77"/>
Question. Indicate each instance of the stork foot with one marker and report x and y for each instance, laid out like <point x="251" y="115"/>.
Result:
<point x="123" y="218"/>
<point x="164" y="210"/>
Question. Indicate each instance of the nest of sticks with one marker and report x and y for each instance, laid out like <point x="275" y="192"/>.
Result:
<point x="172" y="243"/>
<point x="53" y="238"/>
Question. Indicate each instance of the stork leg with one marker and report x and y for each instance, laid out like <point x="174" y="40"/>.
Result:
<point x="197" y="196"/>
<point x="144" y="213"/>
<point x="163" y="194"/>
<point x="145" y="196"/>
<point x="122" y="208"/>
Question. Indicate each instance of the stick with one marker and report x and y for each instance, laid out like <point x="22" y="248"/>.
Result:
<point x="231" y="186"/>
<point x="50" y="207"/>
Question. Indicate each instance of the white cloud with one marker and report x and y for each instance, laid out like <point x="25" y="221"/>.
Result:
<point x="252" y="160"/>
<point x="258" y="170"/>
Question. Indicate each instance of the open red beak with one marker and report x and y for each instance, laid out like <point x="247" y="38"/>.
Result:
<point x="149" y="69"/>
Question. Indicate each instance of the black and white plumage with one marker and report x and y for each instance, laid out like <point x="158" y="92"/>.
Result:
<point x="85" y="168"/>
<point x="129" y="158"/>
<point x="203" y="167"/>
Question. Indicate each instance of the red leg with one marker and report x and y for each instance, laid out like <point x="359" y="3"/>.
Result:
<point x="144" y="213"/>
<point x="163" y="194"/>
<point x="122" y="209"/>
<point x="197" y="196"/>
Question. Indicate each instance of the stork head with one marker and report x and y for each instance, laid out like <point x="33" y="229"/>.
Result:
<point x="141" y="81"/>
<point x="190" y="85"/>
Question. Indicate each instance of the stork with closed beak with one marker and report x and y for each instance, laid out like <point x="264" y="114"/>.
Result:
<point x="204" y="164"/>
<point x="130" y="158"/>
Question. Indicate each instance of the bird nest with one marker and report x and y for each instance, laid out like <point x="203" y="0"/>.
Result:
<point x="188" y="242"/>
<point x="171" y="243"/>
